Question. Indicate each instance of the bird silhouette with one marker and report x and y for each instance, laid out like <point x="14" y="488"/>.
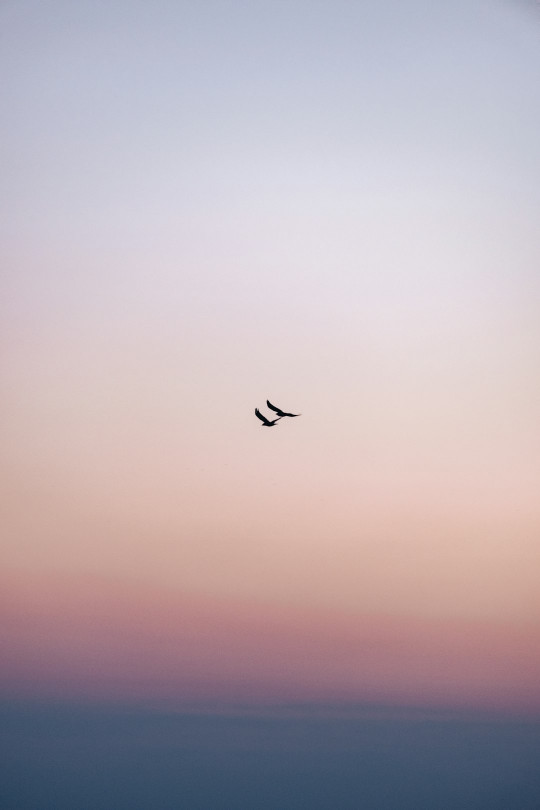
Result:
<point x="266" y="422"/>
<point x="279" y="412"/>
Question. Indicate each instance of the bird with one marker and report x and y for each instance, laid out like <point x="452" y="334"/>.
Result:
<point x="279" y="412"/>
<point x="266" y="422"/>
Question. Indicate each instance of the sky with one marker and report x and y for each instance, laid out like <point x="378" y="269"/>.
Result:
<point x="331" y="205"/>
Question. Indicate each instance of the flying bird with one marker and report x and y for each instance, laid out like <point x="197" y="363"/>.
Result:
<point x="279" y="412"/>
<point x="266" y="422"/>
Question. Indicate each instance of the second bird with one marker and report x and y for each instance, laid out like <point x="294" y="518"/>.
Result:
<point x="279" y="411"/>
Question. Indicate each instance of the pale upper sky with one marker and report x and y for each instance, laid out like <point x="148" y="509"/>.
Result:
<point x="332" y="205"/>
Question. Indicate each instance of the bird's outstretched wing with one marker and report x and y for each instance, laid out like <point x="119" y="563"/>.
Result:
<point x="279" y="411"/>
<point x="259" y="415"/>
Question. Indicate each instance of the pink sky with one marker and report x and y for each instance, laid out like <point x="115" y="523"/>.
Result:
<point x="329" y="210"/>
<point x="92" y="637"/>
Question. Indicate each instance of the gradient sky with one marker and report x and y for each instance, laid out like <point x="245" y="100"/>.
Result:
<point x="332" y="205"/>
